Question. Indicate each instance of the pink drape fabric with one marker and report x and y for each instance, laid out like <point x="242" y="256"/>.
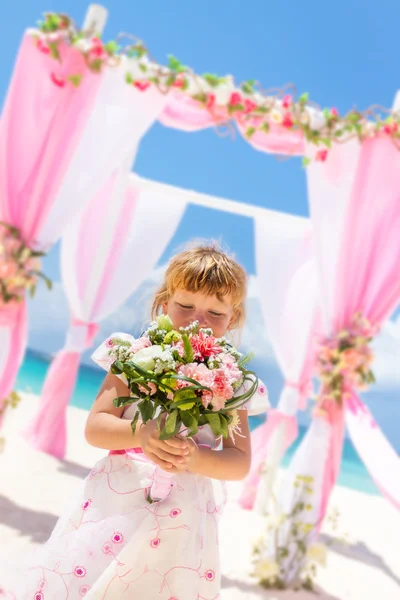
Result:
<point x="260" y="440"/>
<point x="364" y="274"/>
<point x="186" y="114"/>
<point x="287" y="298"/>
<point x="48" y="433"/>
<point x="39" y="128"/>
<point x="13" y="332"/>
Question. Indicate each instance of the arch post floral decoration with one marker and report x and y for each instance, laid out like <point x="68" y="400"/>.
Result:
<point x="343" y="362"/>
<point x="19" y="266"/>
<point x="343" y="365"/>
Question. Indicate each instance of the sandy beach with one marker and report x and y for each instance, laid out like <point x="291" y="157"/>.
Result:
<point x="34" y="488"/>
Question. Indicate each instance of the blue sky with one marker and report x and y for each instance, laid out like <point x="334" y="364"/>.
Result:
<point x="343" y="53"/>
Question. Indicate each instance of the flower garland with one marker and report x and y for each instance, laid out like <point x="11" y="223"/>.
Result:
<point x="256" y="111"/>
<point x="344" y="360"/>
<point x="19" y="266"/>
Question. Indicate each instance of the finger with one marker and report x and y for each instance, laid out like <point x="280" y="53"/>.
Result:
<point x="177" y="443"/>
<point x="173" y="449"/>
<point x="165" y="466"/>
<point x="167" y="457"/>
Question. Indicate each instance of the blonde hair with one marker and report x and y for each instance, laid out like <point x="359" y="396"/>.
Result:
<point x="207" y="269"/>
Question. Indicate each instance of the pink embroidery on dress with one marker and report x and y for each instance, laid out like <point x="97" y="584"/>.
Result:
<point x="155" y="543"/>
<point x="86" y="504"/>
<point x="117" y="538"/>
<point x="38" y="596"/>
<point x="79" y="571"/>
<point x="175" y="512"/>
<point x="107" y="548"/>
<point x="209" y="575"/>
<point x="83" y="590"/>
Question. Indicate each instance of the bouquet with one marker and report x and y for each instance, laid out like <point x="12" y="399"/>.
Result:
<point x="185" y="378"/>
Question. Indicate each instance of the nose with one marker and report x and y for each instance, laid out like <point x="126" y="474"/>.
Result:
<point x="202" y="319"/>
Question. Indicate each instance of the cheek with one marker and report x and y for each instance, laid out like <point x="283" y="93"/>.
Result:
<point x="220" y="326"/>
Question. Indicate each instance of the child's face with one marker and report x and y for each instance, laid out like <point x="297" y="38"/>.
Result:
<point x="185" y="307"/>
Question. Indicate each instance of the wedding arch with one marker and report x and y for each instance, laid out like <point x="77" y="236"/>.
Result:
<point x="57" y="181"/>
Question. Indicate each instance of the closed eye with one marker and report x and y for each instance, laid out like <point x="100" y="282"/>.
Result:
<point x="184" y="306"/>
<point x="215" y="314"/>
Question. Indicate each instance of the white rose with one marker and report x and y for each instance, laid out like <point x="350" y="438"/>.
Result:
<point x="276" y="116"/>
<point x="145" y="358"/>
<point x="317" y="553"/>
<point x="267" y="569"/>
<point x="317" y="119"/>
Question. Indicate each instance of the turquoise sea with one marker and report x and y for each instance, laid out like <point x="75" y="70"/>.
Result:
<point x="33" y="371"/>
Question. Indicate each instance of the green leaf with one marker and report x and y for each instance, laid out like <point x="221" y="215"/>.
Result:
<point x="134" y="422"/>
<point x="75" y="79"/>
<point x="54" y="52"/>
<point x="250" y="132"/>
<point x="123" y="401"/>
<point x="190" y="422"/>
<point x="303" y="99"/>
<point x="248" y="86"/>
<point x="111" y="47"/>
<point x="306" y="161"/>
<point x="129" y="78"/>
<point x="175" y="65"/>
<point x="170" y="423"/>
<point x="146" y="408"/>
<point x="224" y="426"/>
<point x="212" y="80"/>
<point x="189" y="353"/>
<point x="215" y="423"/>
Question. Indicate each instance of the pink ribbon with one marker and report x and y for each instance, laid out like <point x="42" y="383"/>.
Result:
<point x="305" y="390"/>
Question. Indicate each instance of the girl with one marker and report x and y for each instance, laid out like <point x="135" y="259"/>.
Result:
<point x="113" y="544"/>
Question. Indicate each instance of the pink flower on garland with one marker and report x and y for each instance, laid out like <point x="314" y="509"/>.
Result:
<point x="249" y="106"/>
<point x="141" y="85"/>
<point x="57" y="80"/>
<point x="391" y="128"/>
<point x="287" y="120"/>
<point x="179" y="82"/>
<point x="79" y="571"/>
<point x="42" y="46"/>
<point x="210" y="101"/>
<point x="235" y="99"/>
<point x="334" y="112"/>
<point x="322" y="155"/>
<point x="110" y="343"/>
<point x="117" y="538"/>
<point x="286" y="101"/>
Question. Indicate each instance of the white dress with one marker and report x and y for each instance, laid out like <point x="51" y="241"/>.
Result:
<point x="112" y="544"/>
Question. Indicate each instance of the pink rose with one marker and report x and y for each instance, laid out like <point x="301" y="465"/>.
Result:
<point x="235" y="99"/>
<point x="210" y="101"/>
<point x="57" y="80"/>
<point x="287" y="120"/>
<point x="322" y="155"/>
<point x="139" y="344"/>
<point x="286" y="101"/>
<point x="141" y="85"/>
<point x="249" y="106"/>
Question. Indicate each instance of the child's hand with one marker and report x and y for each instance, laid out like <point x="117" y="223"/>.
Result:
<point x="169" y="455"/>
